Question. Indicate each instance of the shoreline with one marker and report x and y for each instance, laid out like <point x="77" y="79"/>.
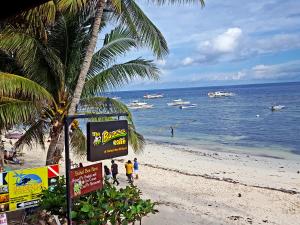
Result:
<point x="199" y="186"/>
<point x="219" y="148"/>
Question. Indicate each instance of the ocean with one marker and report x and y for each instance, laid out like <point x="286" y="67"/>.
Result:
<point x="241" y="123"/>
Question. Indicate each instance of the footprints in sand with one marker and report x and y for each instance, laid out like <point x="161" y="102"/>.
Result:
<point x="247" y="219"/>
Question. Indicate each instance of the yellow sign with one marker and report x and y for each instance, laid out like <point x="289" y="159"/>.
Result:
<point x="26" y="185"/>
<point x="22" y="188"/>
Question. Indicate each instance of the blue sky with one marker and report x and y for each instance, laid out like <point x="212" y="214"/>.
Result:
<point x="226" y="43"/>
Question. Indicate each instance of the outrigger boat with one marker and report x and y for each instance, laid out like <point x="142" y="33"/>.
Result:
<point x="187" y="106"/>
<point x="148" y="96"/>
<point x="219" y="94"/>
<point x="139" y="105"/>
<point x="277" y="107"/>
<point x="178" y="102"/>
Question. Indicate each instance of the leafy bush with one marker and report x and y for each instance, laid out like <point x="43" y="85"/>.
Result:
<point x="116" y="206"/>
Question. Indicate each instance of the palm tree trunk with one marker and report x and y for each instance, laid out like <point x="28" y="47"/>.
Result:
<point x="88" y="57"/>
<point x="52" y="153"/>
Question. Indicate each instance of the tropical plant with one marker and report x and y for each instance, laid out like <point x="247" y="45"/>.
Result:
<point x="130" y="14"/>
<point x="41" y="96"/>
<point x="116" y="206"/>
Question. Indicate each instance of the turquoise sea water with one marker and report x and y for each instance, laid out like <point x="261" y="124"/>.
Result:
<point x="224" y="124"/>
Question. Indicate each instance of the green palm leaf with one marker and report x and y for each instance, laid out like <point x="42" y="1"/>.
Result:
<point x="19" y="87"/>
<point x="15" y="112"/>
<point x="120" y="74"/>
<point x="104" y="105"/>
<point x="116" y="43"/>
<point x="142" y="27"/>
<point x="78" y="143"/>
<point x="136" y="140"/>
<point x="35" y="134"/>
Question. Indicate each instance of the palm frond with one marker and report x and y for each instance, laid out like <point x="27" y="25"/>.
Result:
<point x="116" y="43"/>
<point x="142" y="27"/>
<point x="38" y="61"/>
<point x="16" y="86"/>
<point x="72" y="6"/>
<point x="35" y="134"/>
<point x="15" y="112"/>
<point x="105" y="105"/>
<point x="136" y="140"/>
<point x="120" y="74"/>
<point x="22" y="45"/>
<point x="78" y="143"/>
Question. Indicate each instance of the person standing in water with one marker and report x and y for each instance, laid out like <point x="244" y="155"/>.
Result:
<point x="172" y="131"/>
<point x="114" y="171"/>
<point x="136" y="168"/>
<point x="129" y="171"/>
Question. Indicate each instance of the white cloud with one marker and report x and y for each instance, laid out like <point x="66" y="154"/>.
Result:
<point x="226" y="42"/>
<point x="276" y="71"/>
<point x="161" y="62"/>
<point x="187" y="61"/>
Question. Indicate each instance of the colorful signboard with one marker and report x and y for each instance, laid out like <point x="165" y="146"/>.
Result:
<point x="86" y="179"/>
<point x="106" y="140"/>
<point x="22" y="188"/>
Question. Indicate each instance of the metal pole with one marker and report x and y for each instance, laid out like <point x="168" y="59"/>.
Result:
<point x="68" y="168"/>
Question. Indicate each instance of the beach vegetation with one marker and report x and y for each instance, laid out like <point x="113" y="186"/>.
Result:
<point x="38" y="91"/>
<point x="108" y="205"/>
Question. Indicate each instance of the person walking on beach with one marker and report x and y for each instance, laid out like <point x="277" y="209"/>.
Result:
<point x="172" y="131"/>
<point x="136" y="168"/>
<point x="129" y="171"/>
<point x="114" y="171"/>
<point x="107" y="174"/>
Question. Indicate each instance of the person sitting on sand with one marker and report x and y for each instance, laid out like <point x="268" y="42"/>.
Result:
<point x="129" y="171"/>
<point x="12" y="157"/>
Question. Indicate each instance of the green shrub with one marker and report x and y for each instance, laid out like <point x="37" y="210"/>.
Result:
<point x="116" y="206"/>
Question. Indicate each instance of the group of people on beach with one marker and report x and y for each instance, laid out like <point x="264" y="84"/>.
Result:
<point x="8" y="156"/>
<point x="132" y="169"/>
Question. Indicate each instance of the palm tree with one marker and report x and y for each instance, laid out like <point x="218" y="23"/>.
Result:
<point x="129" y="13"/>
<point x="125" y="11"/>
<point x="41" y="96"/>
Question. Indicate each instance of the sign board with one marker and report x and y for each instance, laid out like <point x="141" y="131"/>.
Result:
<point x="106" y="140"/>
<point x="86" y="179"/>
<point x="21" y="189"/>
<point x="3" y="219"/>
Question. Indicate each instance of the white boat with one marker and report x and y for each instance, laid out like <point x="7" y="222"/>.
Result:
<point x="187" y="106"/>
<point x="148" y="96"/>
<point x="139" y="105"/>
<point x="219" y="94"/>
<point x="277" y="107"/>
<point x="116" y="98"/>
<point x="178" y="102"/>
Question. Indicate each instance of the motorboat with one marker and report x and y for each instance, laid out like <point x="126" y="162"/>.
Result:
<point x="116" y="98"/>
<point x="139" y="105"/>
<point x="187" y="106"/>
<point x="178" y="102"/>
<point x="219" y="94"/>
<point x="277" y="107"/>
<point x="148" y="96"/>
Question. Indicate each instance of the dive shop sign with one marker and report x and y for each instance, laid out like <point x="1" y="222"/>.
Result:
<point x="106" y="140"/>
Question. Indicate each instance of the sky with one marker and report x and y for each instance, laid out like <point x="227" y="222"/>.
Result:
<point x="226" y="43"/>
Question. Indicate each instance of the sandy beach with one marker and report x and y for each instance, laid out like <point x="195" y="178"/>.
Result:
<point x="197" y="186"/>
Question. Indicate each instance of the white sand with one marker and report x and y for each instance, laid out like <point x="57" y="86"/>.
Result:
<point x="195" y="186"/>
